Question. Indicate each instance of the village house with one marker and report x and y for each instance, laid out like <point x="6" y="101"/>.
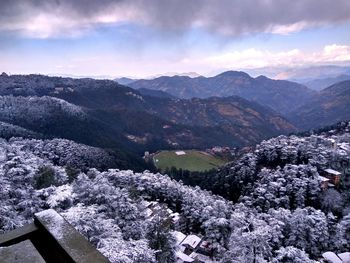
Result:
<point x="325" y="184"/>
<point x="152" y="208"/>
<point x="331" y="143"/>
<point x="191" y="242"/>
<point x="332" y="175"/>
<point x="191" y="248"/>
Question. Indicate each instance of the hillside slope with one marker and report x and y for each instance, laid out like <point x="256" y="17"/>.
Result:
<point x="245" y="121"/>
<point x="118" y="116"/>
<point x="329" y="106"/>
<point x="273" y="199"/>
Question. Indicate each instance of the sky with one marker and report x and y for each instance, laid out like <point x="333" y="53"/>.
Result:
<point x="142" y="38"/>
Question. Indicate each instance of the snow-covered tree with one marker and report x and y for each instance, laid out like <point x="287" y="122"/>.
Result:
<point x="291" y="255"/>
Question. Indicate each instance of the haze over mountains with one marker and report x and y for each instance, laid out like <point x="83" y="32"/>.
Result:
<point x="322" y="83"/>
<point x="305" y="74"/>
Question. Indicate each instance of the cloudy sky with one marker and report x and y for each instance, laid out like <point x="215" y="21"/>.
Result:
<point x="141" y="38"/>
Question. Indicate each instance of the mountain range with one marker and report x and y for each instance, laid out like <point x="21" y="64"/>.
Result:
<point x="302" y="106"/>
<point x="106" y="114"/>
<point x="280" y="95"/>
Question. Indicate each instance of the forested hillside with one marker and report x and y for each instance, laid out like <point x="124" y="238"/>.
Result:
<point x="276" y="207"/>
<point x="105" y="114"/>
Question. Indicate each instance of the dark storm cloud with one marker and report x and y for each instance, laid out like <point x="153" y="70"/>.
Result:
<point x="241" y="16"/>
<point x="232" y="17"/>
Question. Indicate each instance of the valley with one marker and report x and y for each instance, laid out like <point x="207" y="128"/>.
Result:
<point x="191" y="160"/>
<point x="112" y="116"/>
<point x="175" y="131"/>
<point x="102" y="113"/>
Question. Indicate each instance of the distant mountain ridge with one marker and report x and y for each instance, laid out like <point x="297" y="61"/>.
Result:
<point x="124" y="80"/>
<point x="331" y="105"/>
<point x="322" y="83"/>
<point x="305" y="74"/>
<point x="280" y="95"/>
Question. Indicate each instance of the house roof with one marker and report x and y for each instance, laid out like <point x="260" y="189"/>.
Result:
<point x="183" y="256"/>
<point x="191" y="240"/>
<point x="322" y="178"/>
<point x="345" y="257"/>
<point x="148" y="212"/>
<point x="201" y="257"/>
<point x="331" y="257"/>
<point x="331" y="171"/>
<point x="179" y="236"/>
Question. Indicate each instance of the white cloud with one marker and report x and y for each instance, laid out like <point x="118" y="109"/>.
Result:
<point x="290" y="28"/>
<point x="336" y="53"/>
<point x="256" y="58"/>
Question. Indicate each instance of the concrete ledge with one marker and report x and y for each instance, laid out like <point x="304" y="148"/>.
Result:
<point x="22" y="252"/>
<point x="71" y="241"/>
<point x="52" y="238"/>
<point x="18" y="235"/>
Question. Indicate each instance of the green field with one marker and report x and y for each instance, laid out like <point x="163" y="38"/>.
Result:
<point x="191" y="161"/>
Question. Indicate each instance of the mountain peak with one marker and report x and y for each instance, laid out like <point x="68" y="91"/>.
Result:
<point x="190" y="74"/>
<point x="261" y="77"/>
<point x="232" y="73"/>
<point x="4" y="74"/>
